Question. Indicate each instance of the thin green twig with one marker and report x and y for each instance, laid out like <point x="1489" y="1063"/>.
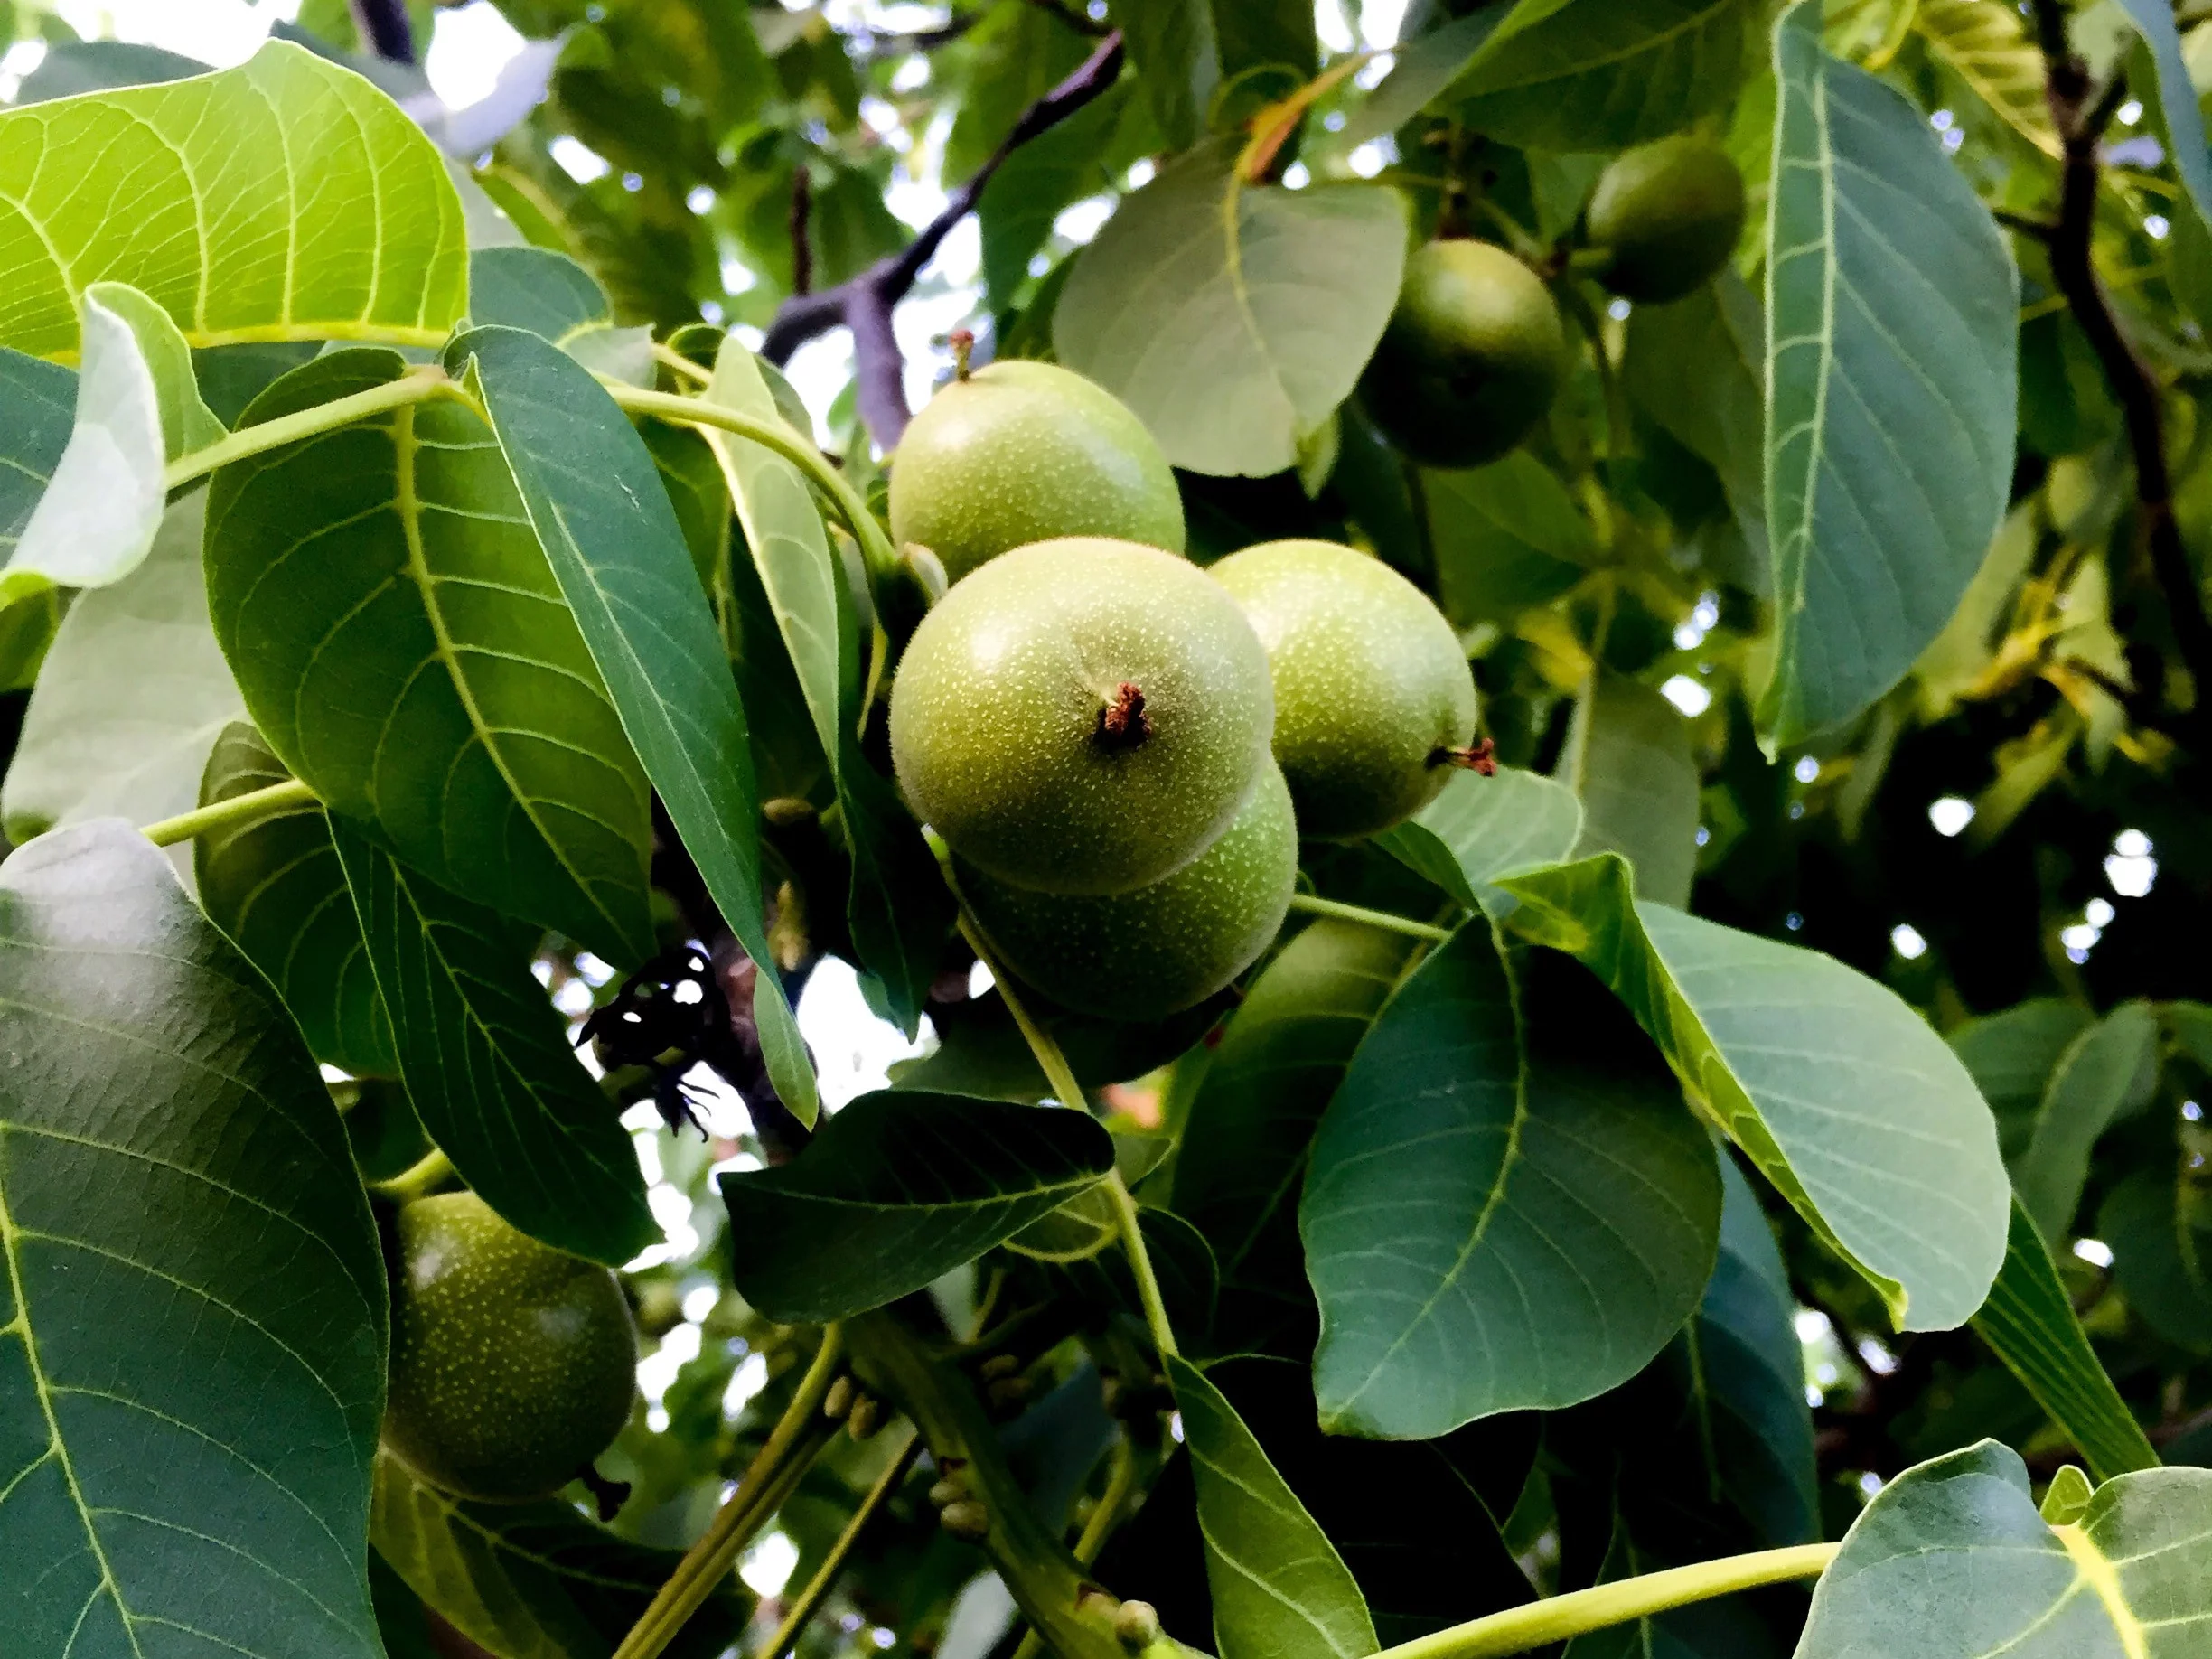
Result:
<point x="1382" y="919"/>
<point x="818" y="1586"/>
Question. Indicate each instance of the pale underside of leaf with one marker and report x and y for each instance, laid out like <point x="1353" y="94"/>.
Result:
<point x="284" y="200"/>
<point x="1232" y="318"/>
<point x="1986" y="42"/>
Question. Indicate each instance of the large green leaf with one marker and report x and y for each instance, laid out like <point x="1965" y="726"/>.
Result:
<point x="1280" y="1060"/>
<point x="1841" y="1095"/>
<point x="131" y="698"/>
<point x="193" y="1315"/>
<point x="402" y="645"/>
<point x="1185" y="49"/>
<point x="2178" y="100"/>
<point x="1694" y="367"/>
<point x="1232" y="318"/>
<point x="2159" y="1230"/>
<point x="487" y="1062"/>
<point x="1044" y="177"/>
<point x="1506" y="1205"/>
<point x="1432" y="1556"/>
<point x="591" y="489"/>
<point x="2012" y="1054"/>
<point x="531" y="1580"/>
<point x="1479" y="828"/>
<point x="1280" y="1591"/>
<point x="2029" y="1322"/>
<point x="275" y="887"/>
<point x="1891" y="335"/>
<point x="1505" y="536"/>
<point x="1421" y="69"/>
<point x="1628" y="758"/>
<point x="2107" y="1072"/>
<point x="900" y="911"/>
<point x="1952" y="1561"/>
<point x="1599" y="74"/>
<point x="1709" y="1451"/>
<point x="897" y="1189"/>
<point x="284" y="200"/>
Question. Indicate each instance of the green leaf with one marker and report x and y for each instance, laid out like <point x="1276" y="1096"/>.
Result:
<point x="2108" y="1072"/>
<point x="275" y="886"/>
<point x="980" y="1051"/>
<point x="1628" y="758"/>
<point x="1600" y="74"/>
<point x="548" y="294"/>
<point x="1479" y="828"/>
<point x="403" y="646"/>
<point x="1279" y="1588"/>
<point x="1839" y="1092"/>
<point x="1505" y="536"/>
<point x="487" y="1062"/>
<point x="1987" y="45"/>
<point x="1044" y="177"/>
<point x="1421" y="69"/>
<point x="284" y="200"/>
<point x="186" y="423"/>
<point x="1429" y="1558"/>
<point x="590" y="488"/>
<point x="132" y="696"/>
<point x="897" y="1189"/>
<point x="1891" y="335"/>
<point x="1693" y="368"/>
<point x="2161" y="1234"/>
<point x="1232" y="318"/>
<point x="102" y="508"/>
<point x="1506" y="1207"/>
<point x="193" y="1313"/>
<point x="531" y="1580"/>
<point x="2029" y="1322"/>
<point x="1281" y="1058"/>
<point x="2012" y="1054"/>
<point x="900" y="911"/>
<point x="38" y="405"/>
<point x="1952" y="1561"/>
<point x="1185" y="51"/>
<point x="2178" y="98"/>
<point x="70" y="67"/>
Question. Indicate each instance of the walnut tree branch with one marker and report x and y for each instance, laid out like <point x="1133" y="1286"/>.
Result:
<point x="864" y="304"/>
<point x="2082" y="114"/>
<point x="385" y="30"/>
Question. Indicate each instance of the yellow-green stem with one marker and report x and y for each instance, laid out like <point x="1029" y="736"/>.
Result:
<point x="1061" y="1077"/>
<point x="1382" y="919"/>
<point x="818" y="1588"/>
<point x="882" y="558"/>
<point x="251" y="807"/>
<point x="1562" y="1618"/>
<point x="415" y="385"/>
<point x="419" y="1179"/>
<point x="709" y="1560"/>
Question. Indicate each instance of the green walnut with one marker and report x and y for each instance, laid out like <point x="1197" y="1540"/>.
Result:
<point x="512" y="1363"/>
<point x="1471" y="359"/>
<point x="1373" y="698"/>
<point x="1149" y="953"/>
<point x="1667" y="216"/>
<point x="1081" y="716"/>
<point x="1022" y="452"/>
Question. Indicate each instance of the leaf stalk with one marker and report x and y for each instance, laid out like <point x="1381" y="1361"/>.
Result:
<point x="417" y="385"/>
<point x="1313" y="905"/>
<point x="234" y="813"/>
<point x="1559" y="1619"/>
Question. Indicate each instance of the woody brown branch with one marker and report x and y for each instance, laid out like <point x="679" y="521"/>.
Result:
<point x="2081" y="113"/>
<point x="865" y="303"/>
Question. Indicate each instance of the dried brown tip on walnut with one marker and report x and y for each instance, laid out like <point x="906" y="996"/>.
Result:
<point x="1123" y="724"/>
<point x="962" y="341"/>
<point x="1477" y="757"/>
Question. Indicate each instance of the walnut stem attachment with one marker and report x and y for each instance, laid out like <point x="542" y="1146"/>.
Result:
<point x="1480" y="756"/>
<point x="1122" y="723"/>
